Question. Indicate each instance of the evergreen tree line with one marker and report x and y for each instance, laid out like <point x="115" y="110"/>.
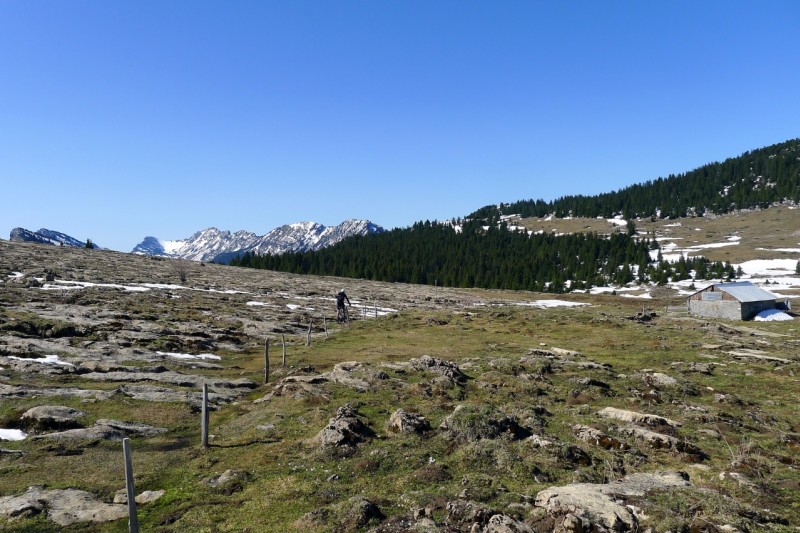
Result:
<point x="755" y="179"/>
<point x="493" y="258"/>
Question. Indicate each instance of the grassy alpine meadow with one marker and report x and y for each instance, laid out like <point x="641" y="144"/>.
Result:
<point x="502" y="386"/>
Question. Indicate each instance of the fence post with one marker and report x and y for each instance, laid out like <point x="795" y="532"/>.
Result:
<point x="308" y="337"/>
<point x="133" y="519"/>
<point x="204" y="418"/>
<point x="375" y="303"/>
<point x="266" y="361"/>
<point x="325" y="326"/>
<point x="283" y="342"/>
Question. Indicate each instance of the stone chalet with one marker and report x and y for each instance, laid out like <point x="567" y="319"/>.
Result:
<point x="740" y="300"/>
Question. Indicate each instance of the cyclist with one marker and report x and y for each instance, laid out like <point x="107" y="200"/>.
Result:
<point x="340" y="298"/>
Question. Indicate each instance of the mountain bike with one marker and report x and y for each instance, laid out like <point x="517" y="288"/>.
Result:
<point x="342" y="315"/>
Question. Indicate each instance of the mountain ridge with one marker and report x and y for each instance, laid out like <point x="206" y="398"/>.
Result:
<point x="757" y="178"/>
<point x="213" y="244"/>
<point x="46" y="236"/>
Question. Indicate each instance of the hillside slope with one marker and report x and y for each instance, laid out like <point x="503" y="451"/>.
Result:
<point x="755" y="179"/>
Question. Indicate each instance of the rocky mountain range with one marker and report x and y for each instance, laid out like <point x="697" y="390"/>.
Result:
<point x="46" y="236"/>
<point x="217" y="245"/>
<point x="212" y="244"/>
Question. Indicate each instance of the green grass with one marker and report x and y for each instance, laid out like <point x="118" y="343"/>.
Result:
<point x="288" y="476"/>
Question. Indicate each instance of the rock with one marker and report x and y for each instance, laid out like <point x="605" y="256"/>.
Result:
<point x="64" y="507"/>
<point x="602" y="505"/>
<point x="598" y="438"/>
<point x="403" y="421"/>
<point x="565" y="353"/>
<point x="740" y="478"/>
<point x="468" y="512"/>
<point x="357" y="512"/>
<point x="538" y="441"/>
<point x="439" y="366"/>
<point x="170" y="377"/>
<point x="105" y="429"/>
<point x="344" y="429"/>
<point x="226" y="478"/>
<point x="131" y="428"/>
<point x="151" y="393"/>
<point x="148" y="496"/>
<point x="591" y="382"/>
<point x="637" y="418"/>
<point x="660" y="381"/>
<point x="52" y="417"/>
<point x="11" y="391"/>
<point x="4" y="451"/>
<point x="90" y="433"/>
<point x="342" y="374"/>
<point x="468" y="423"/>
<point x="505" y="524"/>
<point x="661" y="441"/>
<point x="757" y="355"/>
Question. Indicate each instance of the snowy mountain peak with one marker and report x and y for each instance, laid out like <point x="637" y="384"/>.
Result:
<point x="46" y="236"/>
<point x="212" y="244"/>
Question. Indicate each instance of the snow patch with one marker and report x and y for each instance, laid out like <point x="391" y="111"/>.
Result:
<point x="548" y="304"/>
<point x="769" y="267"/>
<point x="46" y="360"/>
<point x="772" y="315"/>
<point x="190" y="356"/>
<point x="12" y="434"/>
<point x="785" y="250"/>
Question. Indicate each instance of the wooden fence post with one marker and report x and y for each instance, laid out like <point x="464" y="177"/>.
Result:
<point x="308" y="337"/>
<point x="266" y="361"/>
<point x="204" y="418"/>
<point x="325" y="326"/>
<point x="133" y="519"/>
<point x="375" y="303"/>
<point x="283" y="342"/>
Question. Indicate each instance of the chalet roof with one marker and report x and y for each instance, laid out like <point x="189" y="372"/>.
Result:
<point x="744" y="291"/>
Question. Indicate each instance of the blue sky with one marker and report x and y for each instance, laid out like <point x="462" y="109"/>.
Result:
<point x="120" y="120"/>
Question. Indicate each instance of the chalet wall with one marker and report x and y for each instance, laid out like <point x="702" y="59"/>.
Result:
<point x="731" y="310"/>
<point x="751" y="309"/>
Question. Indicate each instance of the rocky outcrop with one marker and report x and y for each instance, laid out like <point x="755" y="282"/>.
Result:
<point x="505" y="524"/>
<point x="598" y="438"/>
<point x="439" y="366"/>
<point x="403" y="421"/>
<point x="12" y="391"/>
<point x="601" y="507"/>
<point x="343" y="373"/>
<point x="105" y="429"/>
<point x="46" y="417"/>
<point x="469" y="423"/>
<point x="64" y="507"/>
<point x="344" y="429"/>
<point x="632" y="417"/>
<point x="660" y="441"/>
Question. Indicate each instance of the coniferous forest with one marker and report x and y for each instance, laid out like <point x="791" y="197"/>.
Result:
<point x="756" y="179"/>
<point x="485" y="253"/>
<point x="490" y="257"/>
